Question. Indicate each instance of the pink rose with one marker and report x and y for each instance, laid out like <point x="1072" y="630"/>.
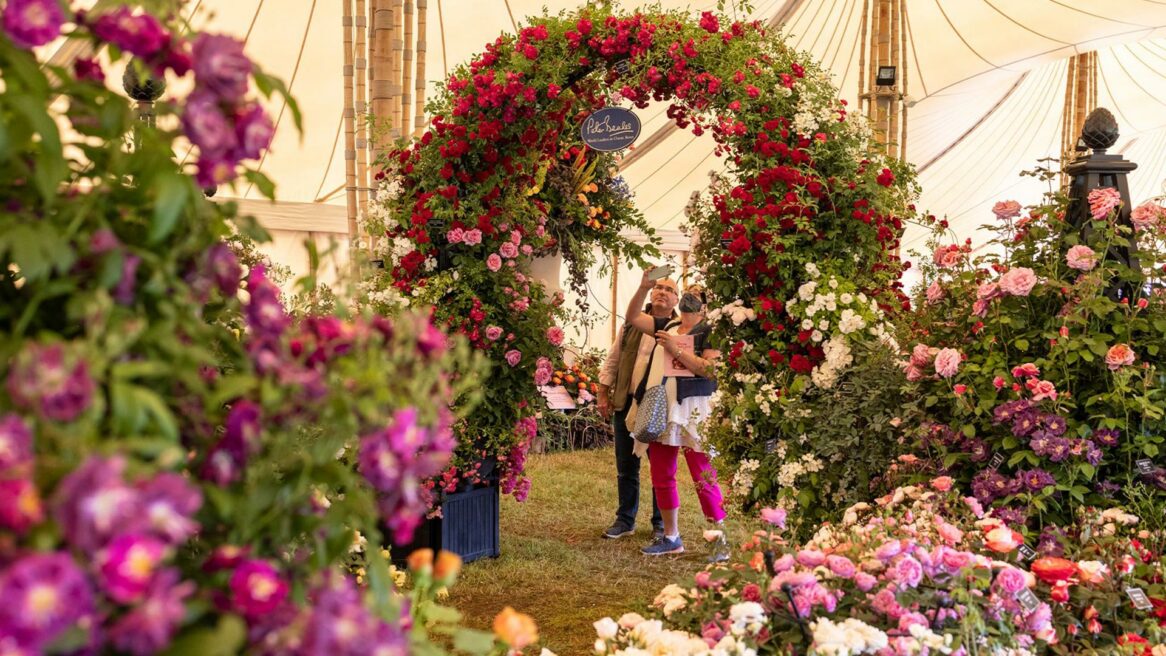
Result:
<point x="513" y="356"/>
<point x="508" y="250"/>
<point x="942" y="483"/>
<point x="1018" y="281"/>
<point x="1081" y="258"/>
<point x="1006" y="209"/>
<point x="1025" y="370"/>
<point x="516" y="237"/>
<point x="922" y="355"/>
<point x="865" y="582"/>
<point x="947" y="362"/>
<point x="1146" y="216"/>
<point x="555" y="335"/>
<point x="959" y="389"/>
<point x="542" y="376"/>
<point x="455" y="235"/>
<point x="987" y="291"/>
<point x="775" y="516"/>
<point x="998" y="382"/>
<point x="980" y="308"/>
<point x="841" y="566"/>
<point x="950" y="534"/>
<point x="1010" y="581"/>
<point x="810" y="558"/>
<point x="1102" y="201"/>
<point x="934" y="293"/>
<point x="908" y="572"/>
<point x="527" y="249"/>
<point x="914" y="373"/>
<point x="888" y="550"/>
<point x="1041" y="389"/>
<point x="1118" y="356"/>
<point x="493" y="262"/>
<point x="947" y="257"/>
<point x="493" y="333"/>
<point x="472" y="237"/>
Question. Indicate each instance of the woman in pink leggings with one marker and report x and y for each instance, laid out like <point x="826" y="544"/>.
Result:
<point x="688" y="406"/>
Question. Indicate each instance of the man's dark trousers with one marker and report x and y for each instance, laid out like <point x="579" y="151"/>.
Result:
<point x="627" y="467"/>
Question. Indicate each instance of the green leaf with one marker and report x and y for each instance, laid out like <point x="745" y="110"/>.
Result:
<point x="172" y="195"/>
<point x="474" y="642"/>
<point x="1150" y="450"/>
<point x="262" y="183"/>
<point x="225" y="639"/>
<point x="1021" y="344"/>
<point x="50" y="167"/>
<point x="969" y="431"/>
<point x="442" y="614"/>
<point x="1087" y="470"/>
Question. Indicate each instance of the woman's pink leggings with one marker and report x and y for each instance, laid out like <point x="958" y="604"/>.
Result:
<point x="664" y="458"/>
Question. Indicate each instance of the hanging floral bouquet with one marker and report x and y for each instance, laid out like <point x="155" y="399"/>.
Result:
<point x="1038" y="359"/>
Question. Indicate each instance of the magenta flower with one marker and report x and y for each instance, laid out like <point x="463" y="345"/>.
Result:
<point x="124" y="292"/>
<point x="44" y="594"/>
<point x="126" y="567"/>
<point x="841" y="566"/>
<point x="888" y="550"/>
<point x="139" y="34"/>
<point x="253" y="132"/>
<point x="513" y="356"/>
<point x="150" y="626"/>
<point x="53" y="383"/>
<point x="256" y="588"/>
<point x="207" y="127"/>
<point x="169" y="501"/>
<point x="266" y="316"/>
<point x="431" y="342"/>
<point x="1009" y="581"/>
<point x="20" y="505"/>
<point x="908" y="572"/>
<point x="102" y="241"/>
<point x="220" y="66"/>
<point x="93" y="503"/>
<point x="214" y="170"/>
<point x="1102" y="201"/>
<point x="31" y="23"/>
<point x="15" y="442"/>
<point x="223" y="267"/>
<point x="228" y="556"/>
<point x="88" y="69"/>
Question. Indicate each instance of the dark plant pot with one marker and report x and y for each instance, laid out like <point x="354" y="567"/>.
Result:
<point x="468" y="526"/>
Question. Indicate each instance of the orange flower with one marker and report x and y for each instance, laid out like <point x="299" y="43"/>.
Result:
<point x="448" y="566"/>
<point x="1053" y="570"/>
<point x="515" y="629"/>
<point x="758" y="561"/>
<point x="421" y="560"/>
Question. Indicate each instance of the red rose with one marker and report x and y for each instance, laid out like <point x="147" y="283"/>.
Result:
<point x="886" y="178"/>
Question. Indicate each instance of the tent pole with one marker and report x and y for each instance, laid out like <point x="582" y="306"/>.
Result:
<point x="397" y="58"/>
<point x="862" y="71"/>
<point x="903" y="77"/>
<point x="407" y="79"/>
<point x="361" y="105"/>
<point x="349" y="128"/>
<point x="419" y="91"/>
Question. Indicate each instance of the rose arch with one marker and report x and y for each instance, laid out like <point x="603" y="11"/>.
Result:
<point x="492" y="184"/>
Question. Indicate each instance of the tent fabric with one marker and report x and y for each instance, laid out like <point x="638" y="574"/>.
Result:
<point x="985" y="86"/>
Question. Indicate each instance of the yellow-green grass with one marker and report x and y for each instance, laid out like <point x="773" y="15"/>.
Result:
<point x="556" y="567"/>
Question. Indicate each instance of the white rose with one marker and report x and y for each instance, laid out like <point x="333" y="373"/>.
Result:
<point x="606" y="628"/>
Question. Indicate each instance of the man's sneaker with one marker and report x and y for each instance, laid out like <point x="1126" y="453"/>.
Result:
<point x="663" y="546"/>
<point x="719" y="550"/>
<point x="617" y="531"/>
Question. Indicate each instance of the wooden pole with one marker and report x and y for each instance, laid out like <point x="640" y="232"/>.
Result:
<point x="419" y="92"/>
<point x="361" y="104"/>
<point x="903" y="70"/>
<point x="382" y="109"/>
<point x="349" y="127"/>
<point x="863" y="99"/>
<point x="895" y="101"/>
<point x="397" y="58"/>
<point x="407" y="79"/>
<point x="883" y="38"/>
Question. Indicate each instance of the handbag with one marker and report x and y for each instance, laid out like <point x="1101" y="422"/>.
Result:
<point x="651" y="411"/>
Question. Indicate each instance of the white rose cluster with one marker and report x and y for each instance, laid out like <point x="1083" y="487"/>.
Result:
<point x="633" y="635"/>
<point x="789" y="473"/>
<point x="742" y="483"/>
<point x="838" y="358"/>
<point x="848" y="637"/>
<point x="735" y="311"/>
<point x="747" y="617"/>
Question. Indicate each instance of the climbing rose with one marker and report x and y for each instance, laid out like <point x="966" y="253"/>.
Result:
<point x="256" y="588"/>
<point x="1006" y="209"/>
<point x="1118" y="356"/>
<point x="1146" y="216"/>
<point x="1018" y="281"/>
<point x="31" y="23"/>
<point x="1081" y="257"/>
<point x="947" y="362"/>
<point x="1102" y="201"/>
<point x="555" y="335"/>
<point x="220" y="66"/>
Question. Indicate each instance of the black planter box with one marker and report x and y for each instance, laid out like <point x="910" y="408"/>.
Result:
<point x="468" y="526"/>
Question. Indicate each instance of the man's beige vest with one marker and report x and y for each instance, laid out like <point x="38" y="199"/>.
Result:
<point x="629" y="350"/>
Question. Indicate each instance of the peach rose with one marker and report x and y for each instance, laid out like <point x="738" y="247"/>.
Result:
<point x="942" y="483"/>
<point x="516" y="629"/>
<point x="1118" y="356"/>
<point x="1003" y="540"/>
<point x="1092" y="571"/>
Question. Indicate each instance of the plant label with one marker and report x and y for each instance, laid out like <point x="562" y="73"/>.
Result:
<point x="1028" y="600"/>
<point x="1027" y="552"/>
<point x="437" y="224"/>
<point x="622" y="66"/>
<point x="997" y="460"/>
<point x="1145" y="466"/>
<point x="558" y="398"/>
<point x="1138" y="596"/>
<point x="725" y="243"/>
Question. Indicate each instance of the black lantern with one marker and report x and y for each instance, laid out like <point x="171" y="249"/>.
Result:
<point x="885" y="76"/>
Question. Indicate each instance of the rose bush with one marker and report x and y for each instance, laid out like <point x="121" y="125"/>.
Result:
<point x="1044" y="352"/>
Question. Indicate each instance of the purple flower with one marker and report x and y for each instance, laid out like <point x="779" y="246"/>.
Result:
<point x="1040" y="443"/>
<point x="15" y="442"/>
<point x="54" y="384"/>
<point x="93" y="503"/>
<point x="31" y="23"/>
<point x="221" y="467"/>
<point x="243" y="427"/>
<point x="340" y="624"/>
<point x="1024" y="423"/>
<point x="265" y="312"/>
<point x="140" y="34"/>
<point x="1036" y="480"/>
<point x="220" y="66"/>
<point x="395" y="461"/>
<point x="124" y="293"/>
<point x="150" y="626"/>
<point x="1012" y="516"/>
<point x="1092" y="453"/>
<point x="44" y="594"/>
<point x="256" y="588"/>
<point x="1055" y="425"/>
<point x="20" y="505"/>
<point x="222" y="266"/>
<point x="985" y="485"/>
<point x="207" y="126"/>
<point x="88" y="69"/>
<point x="977" y="451"/>
<point x="1107" y="437"/>
<point x="102" y="241"/>
<point x="1050" y="542"/>
<point x="1058" y="449"/>
<point x="253" y="131"/>
<point x="169" y="501"/>
<point x="126" y="567"/>
<point x="214" y="170"/>
<point x="1107" y="488"/>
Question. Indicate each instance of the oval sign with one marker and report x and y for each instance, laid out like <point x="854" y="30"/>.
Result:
<point x="610" y="129"/>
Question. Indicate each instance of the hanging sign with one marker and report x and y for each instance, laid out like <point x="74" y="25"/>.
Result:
<point x="610" y="129"/>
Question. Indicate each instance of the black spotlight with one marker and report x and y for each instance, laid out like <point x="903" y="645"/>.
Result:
<point x="885" y="77"/>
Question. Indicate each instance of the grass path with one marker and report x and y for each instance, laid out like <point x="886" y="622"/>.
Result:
<point x="556" y="567"/>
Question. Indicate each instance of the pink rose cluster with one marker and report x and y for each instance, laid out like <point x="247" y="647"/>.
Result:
<point x="948" y="257"/>
<point x="945" y="362"/>
<point x="1148" y="216"/>
<point x="1081" y="258"/>
<point x="1018" y="281"/>
<point x="543" y="371"/>
<point x="1102" y="201"/>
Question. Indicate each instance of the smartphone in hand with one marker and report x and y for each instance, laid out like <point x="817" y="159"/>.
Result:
<point x="659" y="272"/>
